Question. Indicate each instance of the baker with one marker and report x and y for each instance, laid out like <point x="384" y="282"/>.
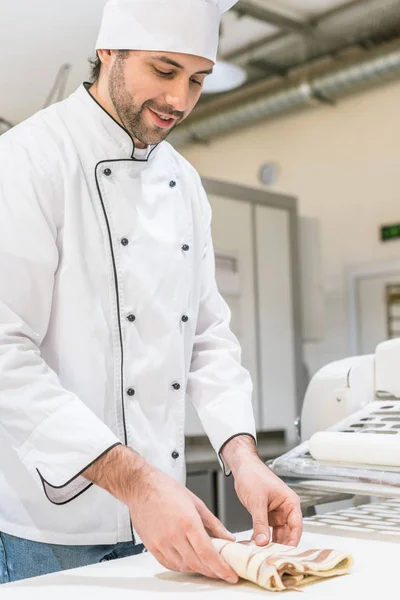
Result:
<point x="110" y="317"/>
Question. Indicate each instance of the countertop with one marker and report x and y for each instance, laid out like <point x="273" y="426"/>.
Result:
<point x="373" y="576"/>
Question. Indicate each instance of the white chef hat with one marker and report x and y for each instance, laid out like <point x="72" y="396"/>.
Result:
<point x="184" y="26"/>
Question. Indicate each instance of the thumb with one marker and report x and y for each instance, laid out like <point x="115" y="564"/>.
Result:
<point x="261" y="534"/>
<point x="213" y="526"/>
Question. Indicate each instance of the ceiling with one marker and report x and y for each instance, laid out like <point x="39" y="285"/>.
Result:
<point x="38" y="37"/>
<point x="239" y="31"/>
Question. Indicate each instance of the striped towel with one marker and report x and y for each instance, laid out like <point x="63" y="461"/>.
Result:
<point x="278" y="568"/>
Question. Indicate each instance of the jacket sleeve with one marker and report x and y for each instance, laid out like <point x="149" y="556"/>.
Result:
<point x="54" y="434"/>
<point x="219" y="386"/>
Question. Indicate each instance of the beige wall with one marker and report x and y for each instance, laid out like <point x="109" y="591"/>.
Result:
<point x="343" y="164"/>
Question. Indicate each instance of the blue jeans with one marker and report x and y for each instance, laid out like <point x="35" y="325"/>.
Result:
<point x="21" y="559"/>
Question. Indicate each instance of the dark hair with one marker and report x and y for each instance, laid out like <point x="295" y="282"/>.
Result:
<point x="95" y="65"/>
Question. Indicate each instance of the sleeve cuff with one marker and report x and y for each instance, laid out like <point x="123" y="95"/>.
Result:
<point x="72" y="489"/>
<point x="224" y="420"/>
<point x="63" y="447"/>
<point x="224" y="466"/>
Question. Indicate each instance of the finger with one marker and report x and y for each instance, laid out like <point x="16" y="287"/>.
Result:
<point x="207" y="554"/>
<point x="213" y="526"/>
<point x="168" y="558"/>
<point x="279" y="534"/>
<point x="261" y="534"/>
<point x="294" y="529"/>
<point x="190" y="561"/>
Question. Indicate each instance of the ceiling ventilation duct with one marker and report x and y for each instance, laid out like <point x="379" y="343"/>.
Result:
<point x="325" y="88"/>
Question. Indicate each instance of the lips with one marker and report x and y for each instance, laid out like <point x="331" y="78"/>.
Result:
<point x="162" y="123"/>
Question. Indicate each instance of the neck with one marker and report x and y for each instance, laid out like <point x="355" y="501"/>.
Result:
<point x="99" y="91"/>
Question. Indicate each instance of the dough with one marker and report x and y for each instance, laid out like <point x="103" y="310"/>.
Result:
<point x="277" y="568"/>
<point x="359" y="448"/>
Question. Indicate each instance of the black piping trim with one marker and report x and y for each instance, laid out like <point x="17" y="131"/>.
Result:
<point x="116" y="291"/>
<point x="86" y="85"/>
<point x="118" y="304"/>
<point x="60" y="487"/>
<point x="227" y="442"/>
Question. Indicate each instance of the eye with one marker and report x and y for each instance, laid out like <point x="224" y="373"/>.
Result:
<point x="196" y="82"/>
<point x="163" y="73"/>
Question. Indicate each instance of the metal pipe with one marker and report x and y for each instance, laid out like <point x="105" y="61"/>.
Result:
<point x="246" y="7"/>
<point x="348" y="25"/>
<point x="325" y="88"/>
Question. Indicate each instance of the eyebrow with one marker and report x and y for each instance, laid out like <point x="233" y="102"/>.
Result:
<point x="171" y="62"/>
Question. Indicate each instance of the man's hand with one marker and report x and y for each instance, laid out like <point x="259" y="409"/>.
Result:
<point x="172" y="522"/>
<point x="269" y="501"/>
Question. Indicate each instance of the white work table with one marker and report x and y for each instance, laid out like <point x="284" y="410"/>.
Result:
<point x="374" y="576"/>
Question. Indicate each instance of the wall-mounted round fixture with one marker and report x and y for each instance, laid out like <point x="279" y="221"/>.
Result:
<point x="225" y="76"/>
<point x="268" y="173"/>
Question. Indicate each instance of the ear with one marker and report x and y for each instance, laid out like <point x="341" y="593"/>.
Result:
<point x="106" y="57"/>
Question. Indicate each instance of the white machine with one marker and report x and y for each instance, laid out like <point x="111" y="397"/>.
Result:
<point x="361" y="409"/>
<point x="349" y="386"/>
<point x="350" y="428"/>
<point x="350" y="423"/>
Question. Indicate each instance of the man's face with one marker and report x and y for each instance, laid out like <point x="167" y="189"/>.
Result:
<point x="153" y="92"/>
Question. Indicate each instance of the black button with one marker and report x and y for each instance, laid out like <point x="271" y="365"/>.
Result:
<point x="124" y="242"/>
<point x="131" y="392"/>
<point x="131" y="318"/>
<point x="175" y="455"/>
<point x="172" y="184"/>
<point x="107" y="172"/>
<point x="185" y="248"/>
<point x="185" y="318"/>
<point x="176" y="386"/>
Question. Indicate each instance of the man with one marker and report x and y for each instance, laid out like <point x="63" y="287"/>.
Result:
<point x="110" y="317"/>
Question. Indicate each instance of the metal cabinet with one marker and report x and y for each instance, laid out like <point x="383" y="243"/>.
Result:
<point x="256" y="246"/>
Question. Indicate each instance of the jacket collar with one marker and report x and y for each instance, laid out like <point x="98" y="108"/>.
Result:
<point x="107" y="126"/>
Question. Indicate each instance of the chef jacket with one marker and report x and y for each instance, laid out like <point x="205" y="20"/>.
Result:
<point x="110" y="320"/>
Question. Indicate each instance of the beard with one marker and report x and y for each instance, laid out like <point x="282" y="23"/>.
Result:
<point x="131" y="114"/>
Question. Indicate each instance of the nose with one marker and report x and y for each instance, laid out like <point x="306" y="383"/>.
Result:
<point x="177" y="95"/>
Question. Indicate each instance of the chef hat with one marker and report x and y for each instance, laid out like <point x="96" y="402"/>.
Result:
<point x="185" y="26"/>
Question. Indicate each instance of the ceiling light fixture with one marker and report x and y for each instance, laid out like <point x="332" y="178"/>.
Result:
<point x="226" y="76"/>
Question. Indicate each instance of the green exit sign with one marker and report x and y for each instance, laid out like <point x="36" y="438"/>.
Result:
<point x="390" y="232"/>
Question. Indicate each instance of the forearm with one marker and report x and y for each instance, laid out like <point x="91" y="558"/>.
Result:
<point x="118" y="472"/>
<point x="238" y="450"/>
